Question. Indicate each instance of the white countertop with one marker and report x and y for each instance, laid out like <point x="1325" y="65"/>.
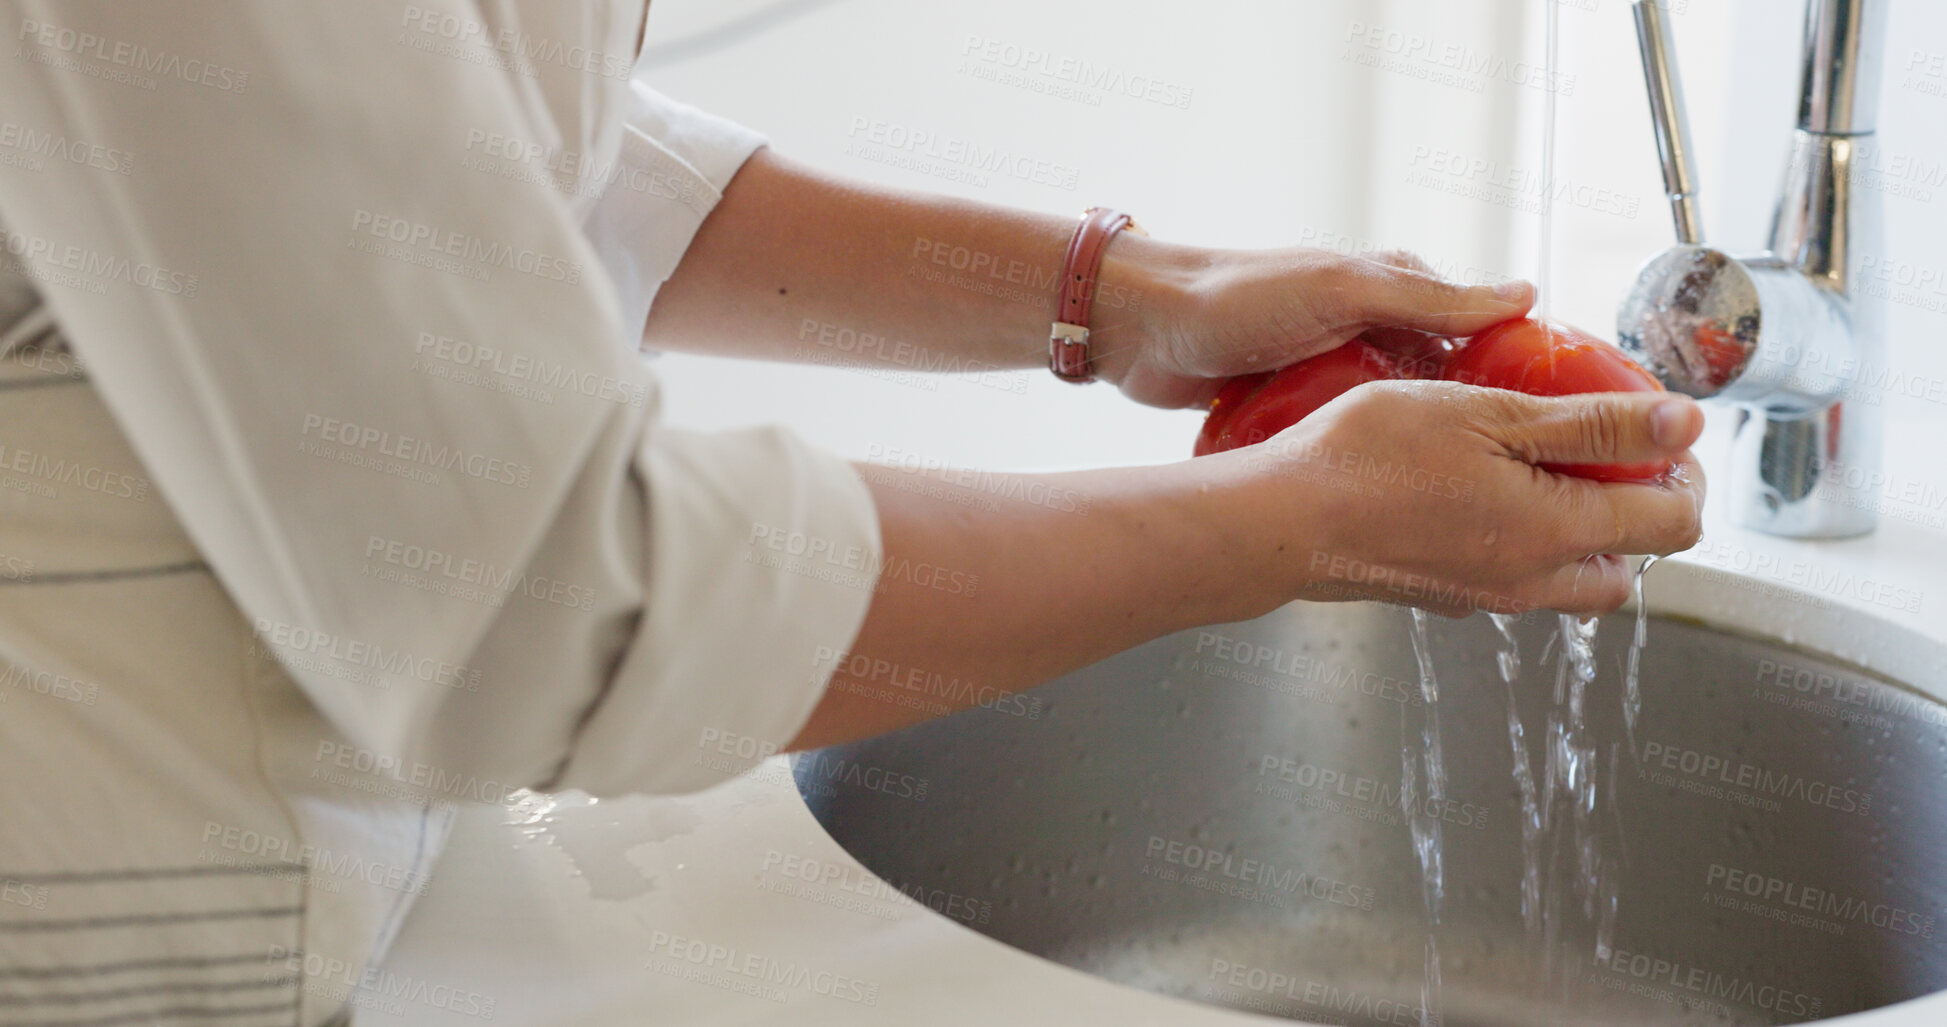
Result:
<point x="578" y="915"/>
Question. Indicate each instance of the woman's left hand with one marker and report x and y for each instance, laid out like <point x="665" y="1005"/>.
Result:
<point x="1208" y="315"/>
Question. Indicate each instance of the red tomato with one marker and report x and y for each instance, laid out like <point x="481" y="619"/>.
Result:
<point x="1418" y="354"/>
<point x="1255" y="407"/>
<point x="1229" y="398"/>
<point x="1549" y="359"/>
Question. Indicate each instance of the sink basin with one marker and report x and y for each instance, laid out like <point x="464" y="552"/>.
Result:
<point x="1216" y="816"/>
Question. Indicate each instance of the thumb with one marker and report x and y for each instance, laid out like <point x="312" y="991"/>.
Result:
<point x="1412" y="297"/>
<point x="1602" y="427"/>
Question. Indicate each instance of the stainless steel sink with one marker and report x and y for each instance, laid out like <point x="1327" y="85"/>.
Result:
<point x="1215" y="816"/>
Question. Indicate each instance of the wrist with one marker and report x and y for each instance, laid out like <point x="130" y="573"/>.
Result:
<point x="1142" y="294"/>
<point x="1238" y="535"/>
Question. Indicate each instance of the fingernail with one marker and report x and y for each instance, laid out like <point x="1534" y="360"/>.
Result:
<point x="1670" y="422"/>
<point x="1513" y="292"/>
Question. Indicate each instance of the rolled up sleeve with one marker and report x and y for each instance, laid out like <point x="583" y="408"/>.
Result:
<point x="674" y="164"/>
<point x="744" y="635"/>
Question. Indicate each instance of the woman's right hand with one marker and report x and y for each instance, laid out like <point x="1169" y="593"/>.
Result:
<point x="1427" y="494"/>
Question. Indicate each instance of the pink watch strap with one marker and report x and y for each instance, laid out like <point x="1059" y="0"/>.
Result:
<point x="1068" y="352"/>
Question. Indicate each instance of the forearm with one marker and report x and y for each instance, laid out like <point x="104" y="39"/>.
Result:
<point x="974" y="604"/>
<point x="795" y="264"/>
<point x="1031" y="576"/>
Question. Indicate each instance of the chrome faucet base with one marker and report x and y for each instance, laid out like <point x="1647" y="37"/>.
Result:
<point x="1792" y="475"/>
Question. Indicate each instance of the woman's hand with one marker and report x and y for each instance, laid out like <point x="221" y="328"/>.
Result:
<point x="1421" y="493"/>
<point x="795" y="264"/>
<point x="1209" y="315"/>
<point x="1426" y="494"/>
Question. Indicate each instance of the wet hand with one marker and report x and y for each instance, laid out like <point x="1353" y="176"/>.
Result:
<point x="1209" y="315"/>
<point x="1429" y="494"/>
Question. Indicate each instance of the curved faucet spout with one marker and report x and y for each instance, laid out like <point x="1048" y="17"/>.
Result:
<point x="1786" y="334"/>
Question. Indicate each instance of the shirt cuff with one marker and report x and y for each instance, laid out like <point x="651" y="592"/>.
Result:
<point x="674" y="164"/>
<point x="763" y="557"/>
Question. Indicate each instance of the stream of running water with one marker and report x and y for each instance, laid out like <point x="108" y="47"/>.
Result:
<point x="1561" y="811"/>
<point x="1423" y="793"/>
<point x="1569" y="815"/>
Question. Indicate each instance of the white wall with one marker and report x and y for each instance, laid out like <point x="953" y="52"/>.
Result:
<point x="1288" y="138"/>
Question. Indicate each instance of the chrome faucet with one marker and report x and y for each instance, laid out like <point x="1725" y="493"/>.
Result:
<point x="1786" y="334"/>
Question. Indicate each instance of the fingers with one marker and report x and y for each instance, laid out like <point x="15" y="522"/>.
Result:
<point x="1609" y="428"/>
<point x="1658" y="519"/>
<point x="1597" y="584"/>
<point x="1398" y="290"/>
<point x="1597" y="428"/>
<point x="1591" y="585"/>
<point x="1602" y="521"/>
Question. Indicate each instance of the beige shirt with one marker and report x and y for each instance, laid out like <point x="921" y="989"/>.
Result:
<point x="350" y="501"/>
<point x="364" y="285"/>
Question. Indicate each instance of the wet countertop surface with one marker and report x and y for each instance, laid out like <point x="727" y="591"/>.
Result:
<point x="732" y="907"/>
